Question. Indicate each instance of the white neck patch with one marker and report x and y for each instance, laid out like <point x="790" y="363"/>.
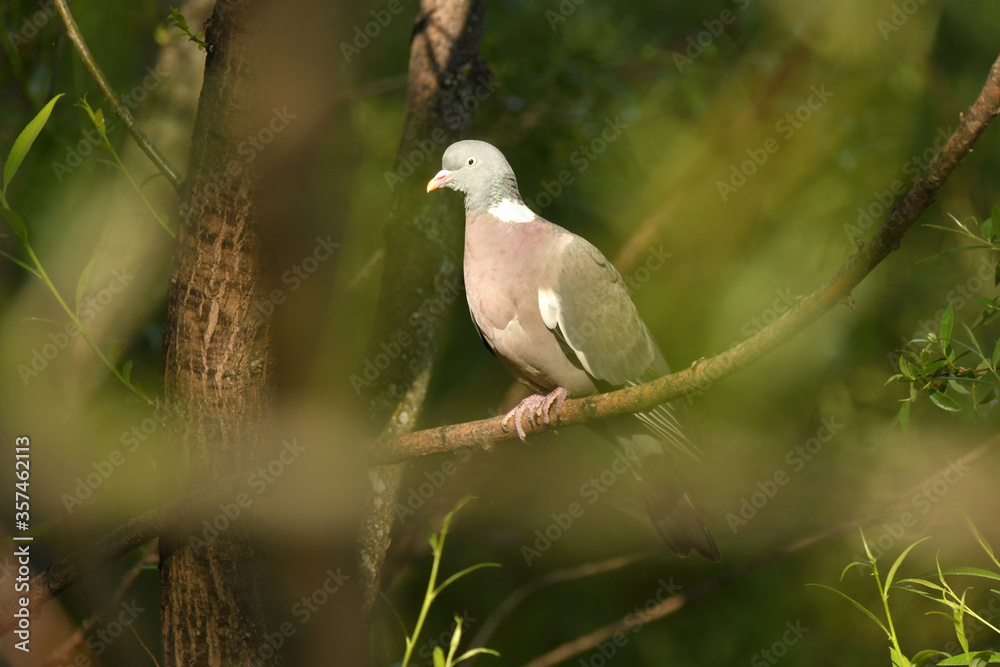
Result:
<point x="510" y="211"/>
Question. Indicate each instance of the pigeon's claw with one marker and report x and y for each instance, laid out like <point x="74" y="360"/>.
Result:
<point x="535" y="407"/>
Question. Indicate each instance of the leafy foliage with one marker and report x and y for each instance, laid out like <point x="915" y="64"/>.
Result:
<point x="932" y="586"/>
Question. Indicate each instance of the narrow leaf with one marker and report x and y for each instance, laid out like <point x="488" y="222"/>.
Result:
<point x="15" y="222"/>
<point x="947" y="322"/>
<point x="898" y="659"/>
<point x="24" y="141"/>
<point x="899" y="561"/>
<point x="476" y="651"/>
<point x="858" y="605"/>
<point x="127" y="371"/>
<point x="438" y="657"/>
<point x="926" y="656"/>
<point x="24" y="266"/>
<point x="458" y="575"/>
<point x="977" y="659"/>
<point x="971" y="572"/>
<point x="987" y="547"/>
<point x="945" y="402"/>
<point x="904" y="418"/>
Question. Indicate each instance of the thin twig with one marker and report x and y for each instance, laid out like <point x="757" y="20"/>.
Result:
<point x="700" y="375"/>
<point x="525" y="591"/>
<point x="64" y="654"/>
<point x="670" y="605"/>
<point x="147" y="146"/>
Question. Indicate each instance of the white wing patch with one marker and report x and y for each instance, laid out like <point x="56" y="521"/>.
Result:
<point x="548" y="305"/>
<point x="511" y="211"/>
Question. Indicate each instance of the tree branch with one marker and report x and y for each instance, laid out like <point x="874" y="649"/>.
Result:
<point x="701" y="374"/>
<point x="147" y="146"/>
<point x="588" y="641"/>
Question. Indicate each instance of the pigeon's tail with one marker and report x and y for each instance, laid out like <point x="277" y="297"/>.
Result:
<point x="670" y="507"/>
<point x="673" y="512"/>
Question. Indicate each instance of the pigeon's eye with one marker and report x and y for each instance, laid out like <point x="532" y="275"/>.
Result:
<point x="472" y="162"/>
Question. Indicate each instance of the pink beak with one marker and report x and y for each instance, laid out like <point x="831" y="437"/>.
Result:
<point x="439" y="179"/>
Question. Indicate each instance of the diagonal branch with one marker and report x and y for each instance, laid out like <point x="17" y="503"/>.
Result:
<point x="147" y="146"/>
<point x="674" y="603"/>
<point x="701" y="374"/>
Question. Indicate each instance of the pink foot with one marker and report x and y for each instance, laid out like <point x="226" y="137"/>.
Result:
<point x="534" y="408"/>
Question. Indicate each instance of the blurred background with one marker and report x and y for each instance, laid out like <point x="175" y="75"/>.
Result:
<point x="725" y="155"/>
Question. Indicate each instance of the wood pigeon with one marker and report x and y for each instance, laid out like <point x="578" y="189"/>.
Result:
<point x="557" y="314"/>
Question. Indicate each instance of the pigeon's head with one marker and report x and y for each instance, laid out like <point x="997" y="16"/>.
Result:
<point x="478" y="170"/>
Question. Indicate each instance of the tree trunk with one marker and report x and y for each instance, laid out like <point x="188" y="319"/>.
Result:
<point x="447" y="80"/>
<point x="216" y="367"/>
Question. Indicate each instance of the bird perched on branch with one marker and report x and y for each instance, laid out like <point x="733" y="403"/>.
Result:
<point x="557" y="314"/>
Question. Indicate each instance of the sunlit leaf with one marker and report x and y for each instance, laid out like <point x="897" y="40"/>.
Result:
<point x="899" y="561"/>
<point x="24" y="141"/>
<point x="924" y="657"/>
<point x="898" y="659"/>
<point x="945" y="402"/>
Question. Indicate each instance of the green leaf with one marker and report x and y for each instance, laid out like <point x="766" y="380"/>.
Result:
<point x="127" y="370"/>
<point x="898" y="659"/>
<point x="945" y="402"/>
<point x="971" y="572"/>
<point x="861" y="565"/>
<point x="905" y="368"/>
<point x="904" y="418"/>
<point x="24" y="266"/>
<point x="981" y="658"/>
<point x="996" y="354"/>
<point x="947" y="322"/>
<point x="15" y="222"/>
<point x="476" y="651"/>
<point x="990" y="396"/>
<point x="899" y="561"/>
<point x="24" y="141"/>
<point x="982" y="540"/>
<point x="996" y="274"/>
<point x="926" y="656"/>
<point x="858" y="605"/>
<point x="438" y="657"/>
<point x="987" y="227"/>
<point x="458" y="575"/>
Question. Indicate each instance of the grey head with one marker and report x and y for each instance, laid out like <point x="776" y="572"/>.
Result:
<point x="480" y="172"/>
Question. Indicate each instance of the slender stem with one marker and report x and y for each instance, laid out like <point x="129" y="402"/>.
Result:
<point x="138" y="191"/>
<point x="147" y="146"/>
<point x="428" y="599"/>
<point x="79" y="325"/>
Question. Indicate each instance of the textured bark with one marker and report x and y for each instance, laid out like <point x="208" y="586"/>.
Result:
<point x="423" y="237"/>
<point x="215" y="366"/>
